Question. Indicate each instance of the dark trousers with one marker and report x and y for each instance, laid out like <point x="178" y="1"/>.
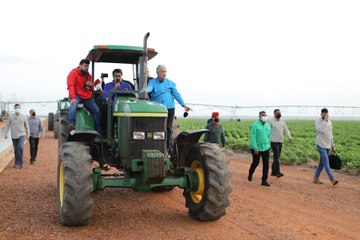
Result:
<point x="276" y="149"/>
<point x="265" y="160"/>
<point x="34" y="143"/>
<point x="170" y="118"/>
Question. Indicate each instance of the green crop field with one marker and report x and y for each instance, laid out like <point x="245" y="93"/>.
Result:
<point x="303" y="149"/>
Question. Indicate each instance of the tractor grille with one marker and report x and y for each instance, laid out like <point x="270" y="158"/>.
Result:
<point x="147" y="125"/>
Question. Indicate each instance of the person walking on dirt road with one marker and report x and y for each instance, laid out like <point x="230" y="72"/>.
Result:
<point x="278" y="130"/>
<point x="37" y="130"/>
<point x="216" y="134"/>
<point x="324" y="142"/>
<point x="260" y="137"/>
<point x="163" y="90"/>
<point x="19" y="127"/>
<point x="81" y="85"/>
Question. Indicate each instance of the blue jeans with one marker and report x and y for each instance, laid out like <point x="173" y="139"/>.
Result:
<point x="90" y="105"/>
<point x="324" y="162"/>
<point x="19" y="150"/>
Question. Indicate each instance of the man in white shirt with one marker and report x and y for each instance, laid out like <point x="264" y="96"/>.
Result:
<point x="278" y="130"/>
<point x="324" y="142"/>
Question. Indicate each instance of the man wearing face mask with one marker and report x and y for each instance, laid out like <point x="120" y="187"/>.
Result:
<point x="278" y="130"/>
<point x="324" y="142"/>
<point x="81" y="85"/>
<point x="36" y="131"/>
<point x="216" y="134"/>
<point x="260" y="137"/>
<point x="19" y="128"/>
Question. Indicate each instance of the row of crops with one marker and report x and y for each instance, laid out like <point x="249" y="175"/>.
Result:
<point x="302" y="149"/>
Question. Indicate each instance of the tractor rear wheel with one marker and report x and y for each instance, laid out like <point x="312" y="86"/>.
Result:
<point x="74" y="184"/>
<point x="210" y="198"/>
<point x="51" y="121"/>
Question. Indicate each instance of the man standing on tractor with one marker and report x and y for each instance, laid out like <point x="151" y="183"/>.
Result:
<point x="164" y="91"/>
<point x="80" y="86"/>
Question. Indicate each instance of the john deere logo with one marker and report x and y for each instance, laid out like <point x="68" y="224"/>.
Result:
<point x="149" y="135"/>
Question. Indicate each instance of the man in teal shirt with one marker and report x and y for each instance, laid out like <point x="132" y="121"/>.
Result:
<point x="163" y="90"/>
<point x="260" y="138"/>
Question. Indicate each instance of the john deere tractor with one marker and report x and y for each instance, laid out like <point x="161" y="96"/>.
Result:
<point x="133" y="153"/>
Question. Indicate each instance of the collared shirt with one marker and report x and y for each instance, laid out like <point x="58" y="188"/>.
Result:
<point x="260" y="136"/>
<point x="18" y="126"/>
<point x="278" y="130"/>
<point x="164" y="92"/>
<point x="36" y="127"/>
<point x="324" y="134"/>
<point x="111" y="85"/>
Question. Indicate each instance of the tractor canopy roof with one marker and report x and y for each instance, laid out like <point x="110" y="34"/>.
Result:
<point x="118" y="54"/>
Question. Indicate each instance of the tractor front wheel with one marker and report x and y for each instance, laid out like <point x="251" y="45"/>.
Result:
<point x="74" y="184"/>
<point x="209" y="197"/>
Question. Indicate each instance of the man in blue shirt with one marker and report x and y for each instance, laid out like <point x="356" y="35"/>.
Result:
<point x="164" y="91"/>
<point x="117" y="84"/>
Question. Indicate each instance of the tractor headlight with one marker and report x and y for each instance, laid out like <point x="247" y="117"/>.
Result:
<point x="159" y="135"/>
<point x="138" y="135"/>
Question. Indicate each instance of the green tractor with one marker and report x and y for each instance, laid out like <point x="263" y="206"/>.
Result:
<point x="135" y="148"/>
<point x="63" y="106"/>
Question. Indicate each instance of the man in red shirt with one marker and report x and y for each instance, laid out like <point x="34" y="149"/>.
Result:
<point x="80" y="86"/>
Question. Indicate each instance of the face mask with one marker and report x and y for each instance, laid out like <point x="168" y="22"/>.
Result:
<point x="278" y="115"/>
<point x="33" y="114"/>
<point x="264" y="118"/>
<point x="17" y="110"/>
<point x="216" y="119"/>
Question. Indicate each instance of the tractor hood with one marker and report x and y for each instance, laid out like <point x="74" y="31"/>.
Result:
<point x="133" y="107"/>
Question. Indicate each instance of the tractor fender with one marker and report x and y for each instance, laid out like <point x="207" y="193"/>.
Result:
<point x="82" y="136"/>
<point x="184" y="142"/>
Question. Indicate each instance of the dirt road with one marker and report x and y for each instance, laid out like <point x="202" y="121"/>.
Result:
<point x="292" y="208"/>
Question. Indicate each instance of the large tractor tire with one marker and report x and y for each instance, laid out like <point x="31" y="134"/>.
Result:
<point x="56" y="129"/>
<point x="51" y="121"/>
<point x="63" y="130"/>
<point x="211" y="197"/>
<point x="74" y="184"/>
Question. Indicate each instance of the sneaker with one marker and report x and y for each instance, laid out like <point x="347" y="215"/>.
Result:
<point x="18" y="166"/>
<point x="317" y="181"/>
<point x="334" y="182"/>
<point x="71" y="127"/>
<point x="265" y="183"/>
<point x="31" y="162"/>
<point x="250" y="178"/>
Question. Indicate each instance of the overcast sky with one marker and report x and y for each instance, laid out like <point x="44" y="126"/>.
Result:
<point x="218" y="52"/>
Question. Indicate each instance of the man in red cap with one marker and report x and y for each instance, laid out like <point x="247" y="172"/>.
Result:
<point x="213" y="115"/>
<point x="216" y="134"/>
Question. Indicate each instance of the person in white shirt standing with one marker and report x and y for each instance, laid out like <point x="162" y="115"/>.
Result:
<point x="19" y="128"/>
<point x="324" y="142"/>
<point x="278" y="130"/>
